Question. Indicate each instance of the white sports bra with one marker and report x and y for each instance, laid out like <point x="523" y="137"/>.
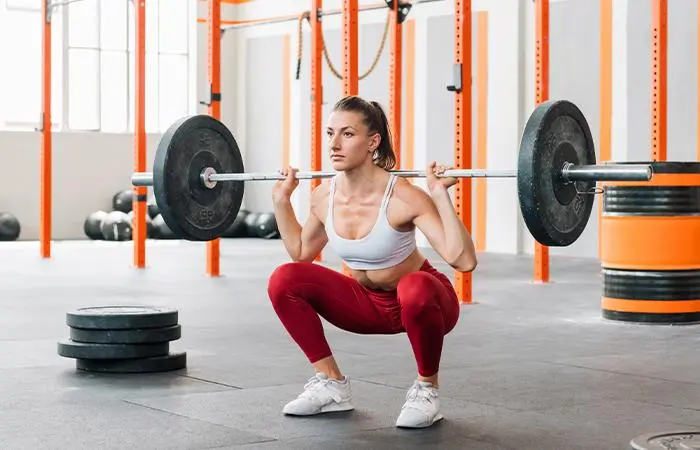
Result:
<point x="383" y="247"/>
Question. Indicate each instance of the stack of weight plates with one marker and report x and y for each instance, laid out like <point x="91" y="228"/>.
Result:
<point x="123" y="339"/>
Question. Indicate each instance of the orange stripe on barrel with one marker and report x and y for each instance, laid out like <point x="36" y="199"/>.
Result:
<point x="651" y="306"/>
<point x="650" y="242"/>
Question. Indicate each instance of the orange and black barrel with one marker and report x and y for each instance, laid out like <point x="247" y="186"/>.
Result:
<point x="650" y="246"/>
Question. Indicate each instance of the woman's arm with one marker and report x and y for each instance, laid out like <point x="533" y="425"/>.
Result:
<point x="301" y="243"/>
<point x="436" y="217"/>
<point x="437" y="220"/>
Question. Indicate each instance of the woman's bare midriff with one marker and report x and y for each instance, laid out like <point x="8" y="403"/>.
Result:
<point x="388" y="279"/>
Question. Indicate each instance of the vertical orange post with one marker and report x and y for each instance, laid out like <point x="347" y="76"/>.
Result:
<point x="140" y="192"/>
<point x="45" y="188"/>
<point x="409" y="147"/>
<point x="606" y="63"/>
<point x="316" y="93"/>
<point x="482" y="87"/>
<point x="214" y="64"/>
<point x="351" y="78"/>
<point x="350" y="48"/>
<point x="541" y="95"/>
<point x="659" y="77"/>
<point x="395" y="77"/>
<point x="463" y="129"/>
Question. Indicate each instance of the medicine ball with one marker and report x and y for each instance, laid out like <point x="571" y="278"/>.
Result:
<point x="93" y="225"/>
<point x="238" y="228"/>
<point x="153" y="209"/>
<point x="266" y="226"/>
<point x="123" y="201"/>
<point x="250" y="221"/>
<point x="161" y="229"/>
<point x="9" y="227"/>
<point x="116" y="227"/>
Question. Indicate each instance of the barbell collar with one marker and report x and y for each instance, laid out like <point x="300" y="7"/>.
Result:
<point x="607" y="172"/>
<point x="142" y="179"/>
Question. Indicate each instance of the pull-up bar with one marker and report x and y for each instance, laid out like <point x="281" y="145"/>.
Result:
<point x="405" y="7"/>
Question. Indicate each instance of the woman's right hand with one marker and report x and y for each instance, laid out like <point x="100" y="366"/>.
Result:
<point x="282" y="190"/>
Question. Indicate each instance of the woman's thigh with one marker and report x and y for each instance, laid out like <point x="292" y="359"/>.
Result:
<point x="338" y="298"/>
<point x="445" y="294"/>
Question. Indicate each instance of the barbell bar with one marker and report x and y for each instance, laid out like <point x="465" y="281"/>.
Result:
<point x="198" y="175"/>
<point x="570" y="172"/>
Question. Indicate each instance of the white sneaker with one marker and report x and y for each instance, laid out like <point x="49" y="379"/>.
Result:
<point x="321" y="395"/>
<point x="422" y="407"/>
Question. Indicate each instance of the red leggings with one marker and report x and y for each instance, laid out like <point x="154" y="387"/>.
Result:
<point x="424" y="305"/>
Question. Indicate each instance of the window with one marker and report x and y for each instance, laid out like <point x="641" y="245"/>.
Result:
<point x="167" y="62"/>
<point x="20" y="81"/>
<point x="93" y="63"/>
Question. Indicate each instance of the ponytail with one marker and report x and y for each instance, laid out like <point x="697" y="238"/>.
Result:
<point x="377" y="122"/>
<point x="384" y="155"/>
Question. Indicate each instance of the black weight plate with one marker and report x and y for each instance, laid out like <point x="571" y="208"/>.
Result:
<point x="163" y="363"/>
<point x="135" y="336"/>
<point x="122" y="317"/>
<point x="555" y="212"/>
<point x="80" y="350"/>
<point x="191" y="210"/>
<point x="672" y="440"/>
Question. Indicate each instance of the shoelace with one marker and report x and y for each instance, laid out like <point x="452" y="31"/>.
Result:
<point x="422" y="393"/>
<point x="315" y="384"/>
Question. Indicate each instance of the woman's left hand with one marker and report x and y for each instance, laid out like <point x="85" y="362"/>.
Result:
<point x="435" y="179"/>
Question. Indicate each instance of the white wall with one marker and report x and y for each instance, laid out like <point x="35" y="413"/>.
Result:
<point x="574" y="75"/>
<point x="433" y="129"/>
<point x="88" y="169"/>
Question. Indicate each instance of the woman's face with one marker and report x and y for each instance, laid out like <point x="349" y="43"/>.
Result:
<point x="349" y="144"/>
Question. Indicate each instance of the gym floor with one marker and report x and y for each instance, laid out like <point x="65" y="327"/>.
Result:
<point x="528" y="367"/>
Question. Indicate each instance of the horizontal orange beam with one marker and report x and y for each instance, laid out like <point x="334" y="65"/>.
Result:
<point x="289" y="17"/>
<point x="230" y="2"/>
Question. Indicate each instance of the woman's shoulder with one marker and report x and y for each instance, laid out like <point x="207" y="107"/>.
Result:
<point x="409" y="193"/>
<point x="321" y="191"/>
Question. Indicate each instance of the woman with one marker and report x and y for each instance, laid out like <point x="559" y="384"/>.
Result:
<point x="368" y="216"/>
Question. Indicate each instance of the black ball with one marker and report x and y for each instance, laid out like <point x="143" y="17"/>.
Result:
<point x="250" y="221"/>
<point x="161" y="229"/>
<point x="9" y="227"/>
<point x="93" y="225"/>
<point x="123" y="201"/>
<point x="153" y="209"/>
<point x="117" y="227"/>
<point x="238" y="228"/>
<point x="266" y="226"/>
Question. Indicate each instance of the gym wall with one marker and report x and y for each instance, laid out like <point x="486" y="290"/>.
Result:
<point x="434" y="105"/>
<point x="88" y="169"/>
<point x="574" y="75"/>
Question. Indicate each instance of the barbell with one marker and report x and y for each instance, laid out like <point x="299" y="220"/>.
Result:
<point x="198" y="175"/>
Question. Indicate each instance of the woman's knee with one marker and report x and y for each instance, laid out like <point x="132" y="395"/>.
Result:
<point x="285" y="278"/>
<point x="418" y="292"/>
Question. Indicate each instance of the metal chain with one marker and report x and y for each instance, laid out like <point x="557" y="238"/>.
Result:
<point x="306" y="15"/>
